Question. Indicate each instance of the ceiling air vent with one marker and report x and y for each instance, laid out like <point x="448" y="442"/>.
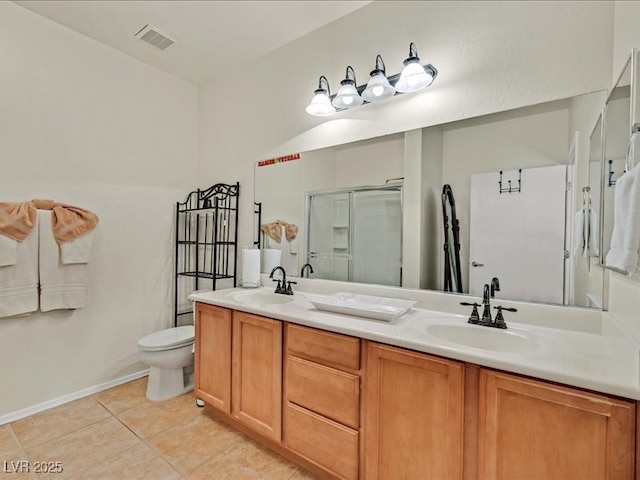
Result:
<point x="155" y="37"/>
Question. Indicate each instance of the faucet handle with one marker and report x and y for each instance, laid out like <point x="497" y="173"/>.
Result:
<point x="474" y="317"/>
<point x="499" y="321"/>
<point x="289" y="290"/>
<point x="278" y="287"/>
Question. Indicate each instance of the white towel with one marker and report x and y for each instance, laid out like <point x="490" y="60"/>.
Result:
<point x="625" y="240"/>
<point x="19" y="282"/>
<point x="633" y="151"/>
<point x="61" y="286"/>
<point x="586" y="233"/>
<point x="579" y="238"/>
<point x="593" y="243"/>
<point x="293" y="246"/>
<point x="8" y="251"/>
<point x="77" y="250"/>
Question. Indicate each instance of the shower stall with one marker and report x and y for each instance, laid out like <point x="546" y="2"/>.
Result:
<point x="355" y="234"/>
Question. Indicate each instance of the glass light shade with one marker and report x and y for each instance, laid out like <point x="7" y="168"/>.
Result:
<point x="378" y="88"/>
<point x="347" y="97"/>
<point x="320" y="105"/>
<point x="413" y="77"/>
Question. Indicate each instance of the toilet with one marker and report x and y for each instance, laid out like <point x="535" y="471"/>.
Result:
<point x="169" y="355"/>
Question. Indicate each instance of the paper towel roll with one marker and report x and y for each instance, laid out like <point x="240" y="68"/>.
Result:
<point x="270" y="259"/>
<point x="251" y="268"/>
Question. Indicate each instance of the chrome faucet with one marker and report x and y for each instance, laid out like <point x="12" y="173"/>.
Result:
<point x="285" y="287"/>
<point x="308" y="267"/>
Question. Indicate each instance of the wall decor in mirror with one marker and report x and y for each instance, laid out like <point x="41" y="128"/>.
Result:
<point x="528" y="232"/>
<point x="621" y="174"/>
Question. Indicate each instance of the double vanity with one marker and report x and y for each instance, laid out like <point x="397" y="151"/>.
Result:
<point x="424" y="395"/>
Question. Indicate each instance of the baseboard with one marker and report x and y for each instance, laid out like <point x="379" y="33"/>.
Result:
<point x="25" y="412"/>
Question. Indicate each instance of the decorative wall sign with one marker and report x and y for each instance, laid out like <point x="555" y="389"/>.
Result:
<point x="272" y="161"/>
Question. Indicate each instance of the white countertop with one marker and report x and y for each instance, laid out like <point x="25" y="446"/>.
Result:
<point x="601" y="359"/>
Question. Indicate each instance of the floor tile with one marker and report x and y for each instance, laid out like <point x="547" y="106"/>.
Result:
<point x="303" y="475"/>
<point x="85" y="448"/>
<point x="123" y="396"/>
<point x="192" y="444"/>
<point x="59" y="421"/>
<point x="150" y="418"/>
<point x="13" y="462"/>
<point x="137" y="463"/>
<point x="245" y="461"/>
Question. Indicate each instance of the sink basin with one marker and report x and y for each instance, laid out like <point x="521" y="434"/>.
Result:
<point x="486" y="338"/>
<point x="261" y="298"/>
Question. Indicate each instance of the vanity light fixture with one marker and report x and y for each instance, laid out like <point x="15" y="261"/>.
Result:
<point x="320" y="105"/>
<point x="413" y="77"/>
<point x="348" y="95"/>
<point x="378" y="87"/>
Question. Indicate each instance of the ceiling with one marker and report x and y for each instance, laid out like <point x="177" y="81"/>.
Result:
<point x="211" y="36"/>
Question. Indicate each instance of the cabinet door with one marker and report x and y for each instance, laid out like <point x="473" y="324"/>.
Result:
<point x="257" y="373"/>
<point x="414" y="415"/>
<point x="535" y="430"/>
<point x="213" y="356"/>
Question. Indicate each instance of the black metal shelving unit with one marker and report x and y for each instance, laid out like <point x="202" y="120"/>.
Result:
<point x="206" y="249"/>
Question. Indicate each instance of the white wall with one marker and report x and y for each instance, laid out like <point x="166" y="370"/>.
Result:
<point x="87" y="125"/>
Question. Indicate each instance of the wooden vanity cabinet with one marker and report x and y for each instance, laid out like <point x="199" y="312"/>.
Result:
<point x="212" y="362"/>
<point x="530" y="429"/>
<point x="418" y="417"/>
<point x="322" y="399"/>
<point x="257" y="373"/>
<point x="414" y="415"/>
<point x="238" y="367"/>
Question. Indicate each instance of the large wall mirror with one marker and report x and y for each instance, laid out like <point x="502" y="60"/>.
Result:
<point x="508" y="173"/>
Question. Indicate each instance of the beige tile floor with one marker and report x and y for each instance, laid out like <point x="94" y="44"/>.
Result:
<point x="119" y="434"/>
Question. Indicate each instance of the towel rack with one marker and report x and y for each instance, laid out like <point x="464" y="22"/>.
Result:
<point x="206" y="242"/>
<point x="611" y="182"/>
<point x="511" y="189"/>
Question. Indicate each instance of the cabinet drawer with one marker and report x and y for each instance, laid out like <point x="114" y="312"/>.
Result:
<point x="326" y="443"/>
<point x="324" y="390"/>
<point x="325" y="347"/>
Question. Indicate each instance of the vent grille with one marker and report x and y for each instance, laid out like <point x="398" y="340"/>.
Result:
<point x="154" y="37"/>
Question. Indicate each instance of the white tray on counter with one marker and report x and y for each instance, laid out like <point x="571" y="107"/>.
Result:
<point x="369" y="306"/>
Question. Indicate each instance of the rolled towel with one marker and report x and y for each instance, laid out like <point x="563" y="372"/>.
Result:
<point x="17" y="219"/>
<point x="290" y="231"/>
<point x="69" y="222"/>
<point x="273" y="230"/>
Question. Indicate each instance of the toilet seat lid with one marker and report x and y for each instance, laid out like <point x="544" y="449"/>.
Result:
<point x="168" y="338"/>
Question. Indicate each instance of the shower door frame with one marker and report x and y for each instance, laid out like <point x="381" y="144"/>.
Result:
<point x="390" y="185"/>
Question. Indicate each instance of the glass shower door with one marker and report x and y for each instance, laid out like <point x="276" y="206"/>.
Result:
<point x="377" y="237"/>
<point x="329" y="235"/>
